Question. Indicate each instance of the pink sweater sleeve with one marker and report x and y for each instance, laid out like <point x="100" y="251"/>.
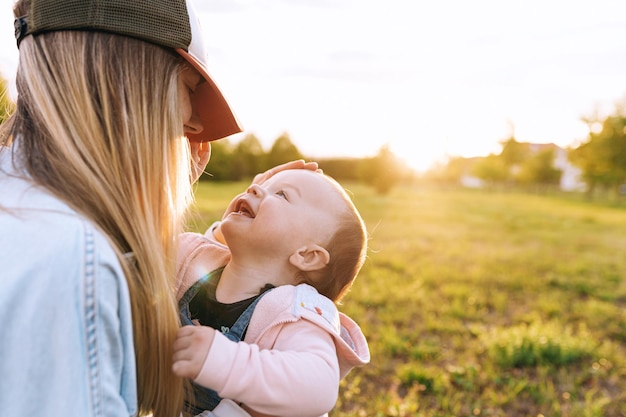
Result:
<point x="298" y="377"/>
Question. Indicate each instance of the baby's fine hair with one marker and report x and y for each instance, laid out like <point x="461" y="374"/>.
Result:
<point x="347" y="248"/>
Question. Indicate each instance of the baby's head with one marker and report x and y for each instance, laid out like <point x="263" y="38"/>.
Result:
<point x="347" y="248"/>
<point x="308" y="218"/>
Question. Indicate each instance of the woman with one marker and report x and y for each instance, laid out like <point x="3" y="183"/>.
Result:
<point x="94" y="185"/>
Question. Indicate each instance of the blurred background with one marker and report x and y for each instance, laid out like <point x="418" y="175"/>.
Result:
<point x="430" y="80"/>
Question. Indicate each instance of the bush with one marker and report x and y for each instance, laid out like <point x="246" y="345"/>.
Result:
<point x="537" y="344"/>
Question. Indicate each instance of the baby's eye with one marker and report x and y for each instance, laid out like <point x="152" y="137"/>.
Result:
<point x="282" y="194"/>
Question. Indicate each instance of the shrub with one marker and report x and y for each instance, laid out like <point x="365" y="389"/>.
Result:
<point x="538" y="343"/>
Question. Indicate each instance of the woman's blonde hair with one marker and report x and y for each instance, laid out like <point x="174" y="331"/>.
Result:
<point x="98" y="123"/>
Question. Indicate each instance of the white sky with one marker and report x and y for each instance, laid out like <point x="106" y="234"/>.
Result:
<point x="429" y="78"/>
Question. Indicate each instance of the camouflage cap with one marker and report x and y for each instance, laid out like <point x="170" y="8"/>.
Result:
<point x="169" y="23"/>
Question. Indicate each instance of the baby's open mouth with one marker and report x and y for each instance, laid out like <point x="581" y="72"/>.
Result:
<point x="244" y="209"/>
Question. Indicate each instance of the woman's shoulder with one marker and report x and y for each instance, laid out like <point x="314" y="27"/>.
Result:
<point x="28" y="205"/>
<point x="46" y="223"/>
<point x="42" y="235"/>
<point x="63" y="276"/>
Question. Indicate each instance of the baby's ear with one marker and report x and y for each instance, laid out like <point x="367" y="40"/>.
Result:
<point x="310" y="258"/>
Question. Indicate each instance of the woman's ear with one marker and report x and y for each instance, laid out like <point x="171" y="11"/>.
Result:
<point x="310" y="258"/>
<point x="200" y="154"/>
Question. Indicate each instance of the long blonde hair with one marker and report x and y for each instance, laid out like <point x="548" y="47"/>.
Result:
<point x="98" y="124"/>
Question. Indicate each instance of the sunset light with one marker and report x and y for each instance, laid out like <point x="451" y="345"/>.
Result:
<point x="422" y="211"/>
<point x="434" y="79"/>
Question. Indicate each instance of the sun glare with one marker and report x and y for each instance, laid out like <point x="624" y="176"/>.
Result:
<point x="417" y="157"/>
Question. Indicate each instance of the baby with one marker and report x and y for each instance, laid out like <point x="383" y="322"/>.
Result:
<point x="268" y="278"/>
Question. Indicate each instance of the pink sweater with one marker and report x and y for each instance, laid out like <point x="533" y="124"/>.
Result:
<point x="297" y="346"/>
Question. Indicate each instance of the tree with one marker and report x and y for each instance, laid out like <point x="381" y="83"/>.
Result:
<point x="451" y="171"/>
<point x="513" y="152"/>
<point x="341" y="169"/>
<point x="539" y="169"/>
<point x="248" y="158"/>
<point x="7" y="106"/>
<point x="220" y="166"/>
<point x="283" y="150"/>
<point x="384" y="171"/>
<point x="492" y="169"/>
<point x="602" y="158"/>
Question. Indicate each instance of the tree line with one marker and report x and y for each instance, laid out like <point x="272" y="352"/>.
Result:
<point x="6" y="104"/>
<point x="518" y="164"/>
<point x="242" y="160"/>
<point x="600" y="157"/>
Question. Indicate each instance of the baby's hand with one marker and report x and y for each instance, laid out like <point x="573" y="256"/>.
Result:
<point x="191" y="348"/>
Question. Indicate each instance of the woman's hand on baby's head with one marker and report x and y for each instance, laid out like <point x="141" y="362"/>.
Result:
<point x="297" y="164"/>
<point x="191" y="348"/>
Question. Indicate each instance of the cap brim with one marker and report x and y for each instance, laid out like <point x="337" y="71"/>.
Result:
<point x="218" y="120"/>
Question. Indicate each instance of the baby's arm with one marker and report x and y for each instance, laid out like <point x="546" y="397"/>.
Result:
<point x="298" y="377"/>
<point x="190" y="350"/>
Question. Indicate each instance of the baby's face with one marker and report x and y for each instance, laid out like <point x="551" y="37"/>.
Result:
<point x="287" y="210"/>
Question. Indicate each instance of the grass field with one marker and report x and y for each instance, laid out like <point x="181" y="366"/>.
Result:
<point x="483" y="304"/>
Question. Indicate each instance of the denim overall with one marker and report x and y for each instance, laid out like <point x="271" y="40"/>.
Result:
<point x="205" y="398"/>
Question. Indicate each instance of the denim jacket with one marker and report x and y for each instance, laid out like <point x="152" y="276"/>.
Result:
<point x="66" y="341"/>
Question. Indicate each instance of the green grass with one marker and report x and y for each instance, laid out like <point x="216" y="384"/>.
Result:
<point x="483" y="304"/>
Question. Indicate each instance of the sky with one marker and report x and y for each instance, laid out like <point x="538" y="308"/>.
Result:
<point x="430" y="79"/>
